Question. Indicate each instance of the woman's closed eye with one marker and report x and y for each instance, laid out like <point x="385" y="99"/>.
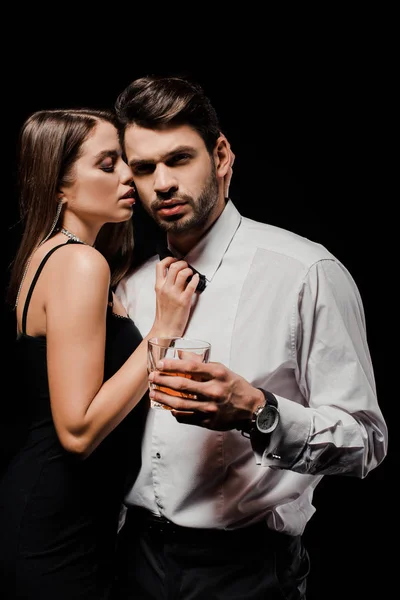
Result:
<point x="107" y="165"/>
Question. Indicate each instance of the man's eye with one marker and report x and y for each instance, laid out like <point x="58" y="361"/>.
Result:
<point x="179" y="158"/>
<point x="143" y="169"/>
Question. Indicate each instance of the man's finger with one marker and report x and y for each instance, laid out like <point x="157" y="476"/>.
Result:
<point x="187" y="366"/>
<point x="190" y="417"/>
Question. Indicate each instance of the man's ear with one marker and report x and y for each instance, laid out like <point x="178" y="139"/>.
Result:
<point x="222" y="155"/>
<point x="224" y="159"/>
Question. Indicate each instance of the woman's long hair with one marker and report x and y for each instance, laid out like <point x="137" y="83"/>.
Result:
<point x="50" y="143"/>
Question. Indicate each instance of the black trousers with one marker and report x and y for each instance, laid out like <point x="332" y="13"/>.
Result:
<point x="157" y="560"/>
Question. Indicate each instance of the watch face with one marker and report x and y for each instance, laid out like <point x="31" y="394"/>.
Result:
<point x="268" y="419"/>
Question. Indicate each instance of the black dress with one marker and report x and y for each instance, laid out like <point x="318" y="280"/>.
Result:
<point x="59" y="513"/>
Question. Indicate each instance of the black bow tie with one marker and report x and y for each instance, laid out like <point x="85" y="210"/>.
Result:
<point x="164" y="251"/>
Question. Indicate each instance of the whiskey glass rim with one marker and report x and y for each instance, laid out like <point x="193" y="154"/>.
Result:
<point x="195" y="343"/>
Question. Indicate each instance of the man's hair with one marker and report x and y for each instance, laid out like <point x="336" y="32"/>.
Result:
<point x="159" y="102"/>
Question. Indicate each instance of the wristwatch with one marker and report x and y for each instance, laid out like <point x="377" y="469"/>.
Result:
<point x="265" y="418"/>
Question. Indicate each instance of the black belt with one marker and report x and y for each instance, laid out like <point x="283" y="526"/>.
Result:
<point x="143" y="520"/>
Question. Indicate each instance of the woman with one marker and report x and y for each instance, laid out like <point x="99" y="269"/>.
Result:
<point x="82" y="360"/>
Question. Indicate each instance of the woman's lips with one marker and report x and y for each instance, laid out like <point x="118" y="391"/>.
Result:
<point x="129" y="194"/>
<point x="128" y="201"/>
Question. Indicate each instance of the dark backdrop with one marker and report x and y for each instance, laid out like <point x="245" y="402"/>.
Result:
<point x="308" y="143"/>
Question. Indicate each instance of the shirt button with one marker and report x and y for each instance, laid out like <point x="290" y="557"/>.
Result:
<point x="158" y="455"/>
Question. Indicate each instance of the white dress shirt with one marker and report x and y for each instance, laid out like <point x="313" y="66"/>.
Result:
<point x="285" y="314"/>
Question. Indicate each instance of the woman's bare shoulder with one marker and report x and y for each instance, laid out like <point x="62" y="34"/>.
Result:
<point x="80" y="258"/>
<point x="80" y="264"/>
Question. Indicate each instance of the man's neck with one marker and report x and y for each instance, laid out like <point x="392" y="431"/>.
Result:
<point x="184" y="242"/>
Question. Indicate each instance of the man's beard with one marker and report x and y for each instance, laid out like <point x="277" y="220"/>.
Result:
<point x="201" y="209"/>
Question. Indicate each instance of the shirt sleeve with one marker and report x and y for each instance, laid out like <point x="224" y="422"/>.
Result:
<point x="340" y="428"/>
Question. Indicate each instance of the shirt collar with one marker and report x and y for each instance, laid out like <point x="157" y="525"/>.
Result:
<point x="208" y="253"/>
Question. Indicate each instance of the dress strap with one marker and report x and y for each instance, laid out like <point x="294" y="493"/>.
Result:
<point x="34" y="280"/>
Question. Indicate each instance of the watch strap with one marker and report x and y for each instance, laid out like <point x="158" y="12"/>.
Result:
<point x="269" y="398"/>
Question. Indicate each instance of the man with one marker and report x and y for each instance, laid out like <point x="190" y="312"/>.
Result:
<point x="227" y="478"/>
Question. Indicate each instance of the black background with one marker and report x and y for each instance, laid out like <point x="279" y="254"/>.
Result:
<point x="311" y="133"/>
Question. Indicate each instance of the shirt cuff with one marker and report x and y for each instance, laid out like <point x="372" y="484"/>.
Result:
<point x="282" y="448"/>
